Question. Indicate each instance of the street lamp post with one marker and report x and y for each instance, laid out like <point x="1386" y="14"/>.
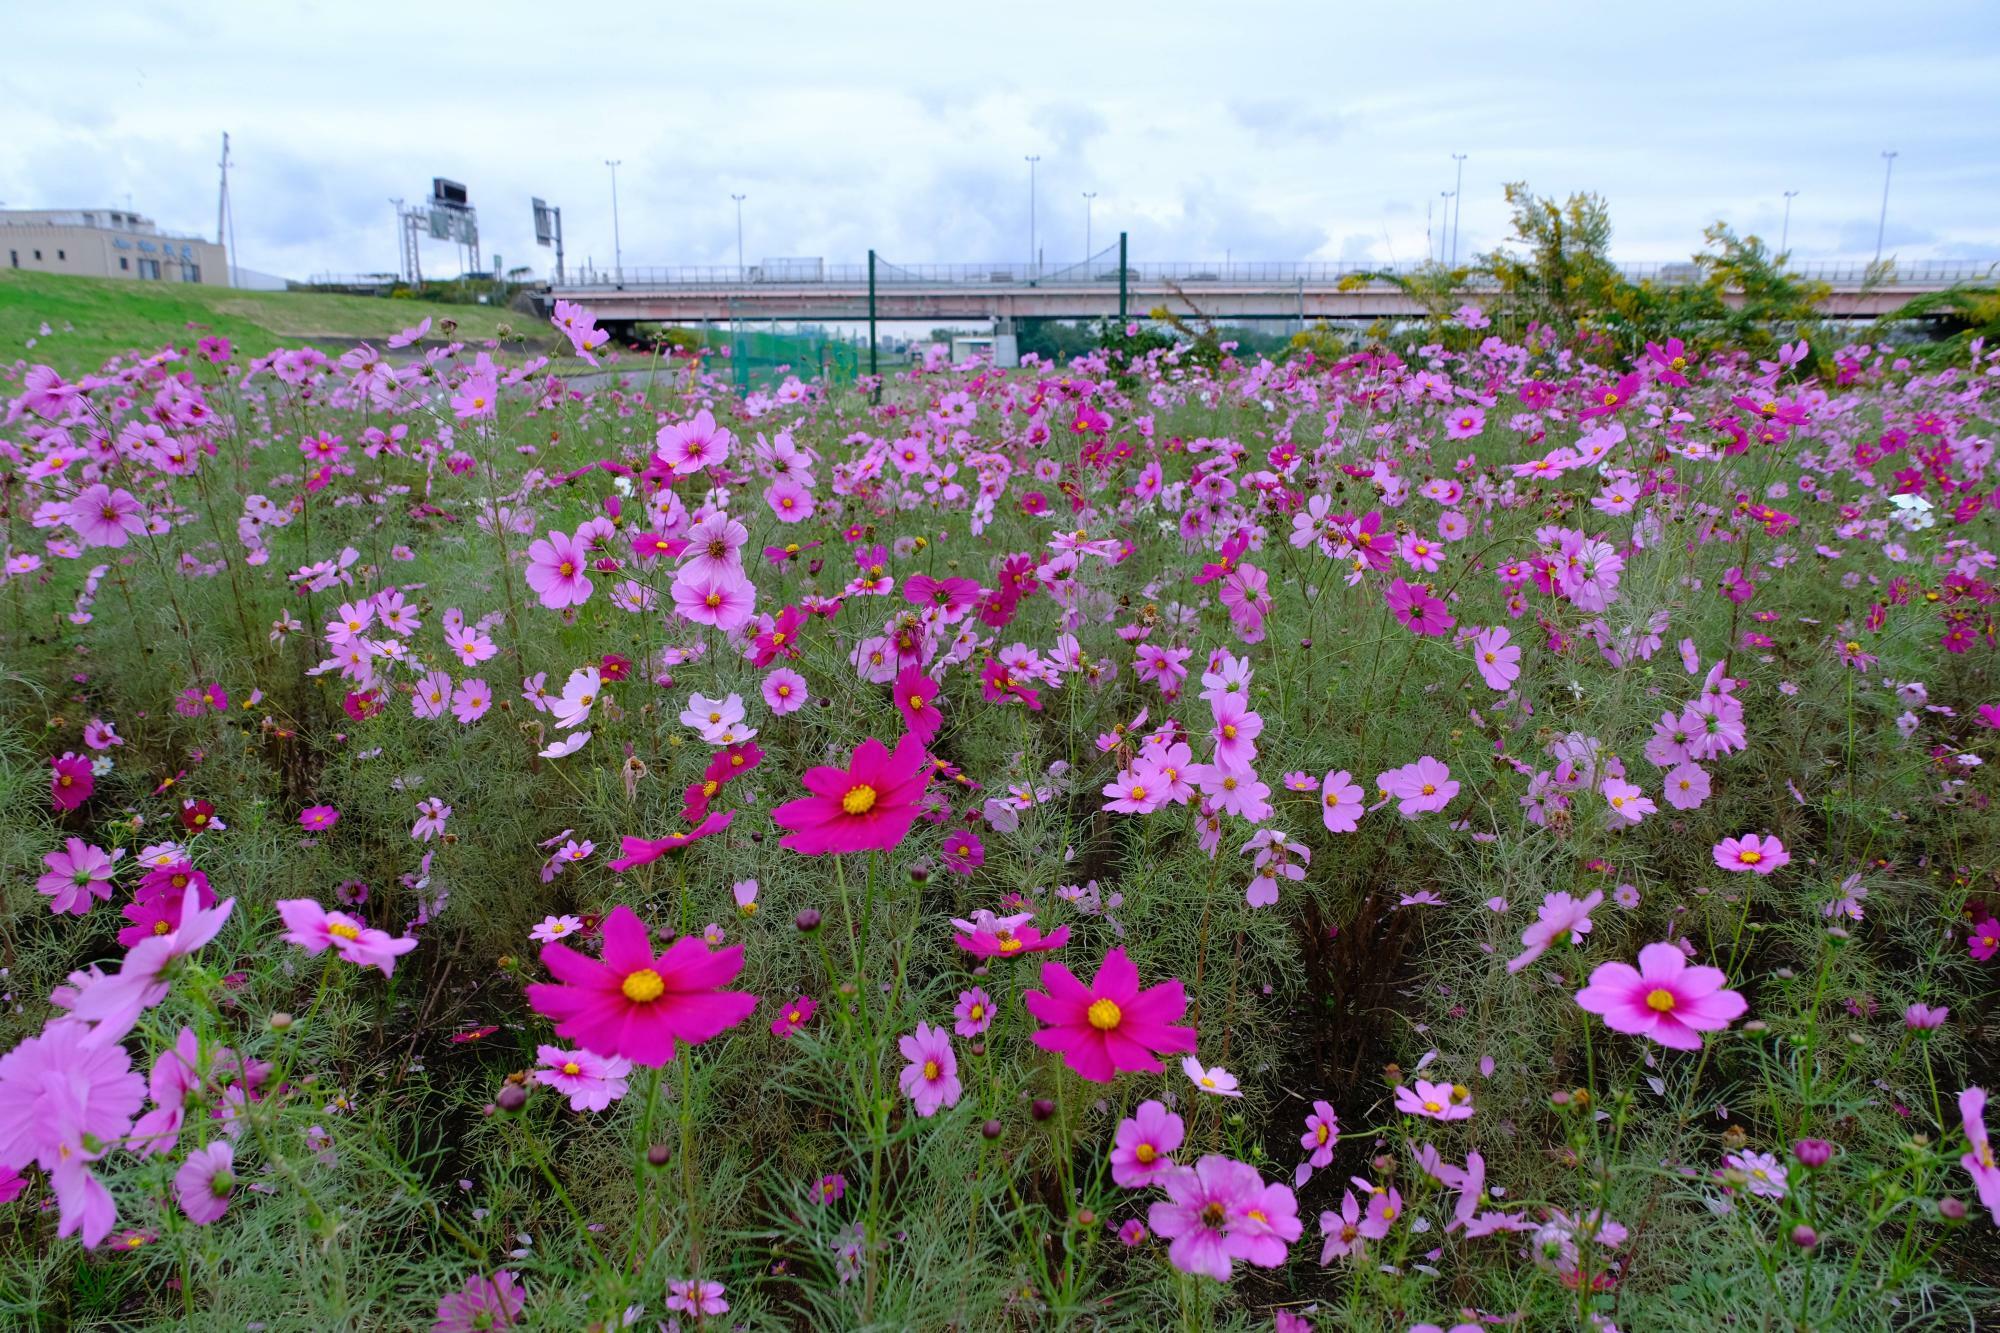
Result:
<point x="1088" y="195"/>
<point x="1882" y="223"/>
<point x="1031" y="212"/>
<point x="1785" y="235"/>
<point x="739" y="198"/>
<point x="617" y="244"/>
<point x="1458" y="204"/>
<point x="1444" y="221"/>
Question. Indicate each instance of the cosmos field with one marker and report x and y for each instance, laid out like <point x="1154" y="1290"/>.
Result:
<point x="1487" y="830"/>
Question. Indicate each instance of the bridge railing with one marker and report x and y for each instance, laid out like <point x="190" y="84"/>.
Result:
<point x="1195" y="273"/>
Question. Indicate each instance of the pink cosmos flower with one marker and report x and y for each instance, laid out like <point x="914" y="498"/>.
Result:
<point x="64" y="1095"/>
<point x="726" y="601"/>
<point x="205" y="1181"/>
<point x="1434" y="1101"/>
<point x="698" y="1297"/>
<point x="1142" y="1146"/>
<point x="1984" y="941"/>
<point x="76" y="874"/>
<point x="315" y="929"/>
<point x="868" y="806"/>
<point x="1751" y="853"/>
<point x="471" y="700"/>
<point x="689" y="446"/>
<point x="1498" y="660"/>
<point x="482" y="1304"/>
<point x="632" y="1004"/>
<point x="930" y="1080"/>
<point x="1322" y="1133"/>
<point x="1340" y="802"/>
<point x="114" y="1003"/>
<point x="590" y="1081"/>
<point x="1686" y="786"/>
<point x="318" y="818"/>
<point x="104" y="517"/>
<point x="1978" y="1159"/>
<point x="1111" y="1024"/>
<point x="70" y="782"/>
<point x="1664" y="998"/>
<point x="785" y="691"/>
<point x="1219" y="1211"/>
<point x="1421" y="788"/>
<point x="557" y="570"/>
<point x="1560" y="916"/>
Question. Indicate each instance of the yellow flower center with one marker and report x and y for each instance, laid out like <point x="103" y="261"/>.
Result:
<point x="1146" y="1153"/>
<point x="345" y="931"/>
<point x="1660" y="1000"/>
<point x="1229" y="731"/>
<point x="572" y="1068"/>
<point x="976" y="1012"/>
<point x="930" y="1070"/>
<point x="1105" y="1015"/>
<point x="1433" y="1107"/>
<point x="860" y="799"/>
<point x="160" y="927"/>
<point x="566" y="569"/>
<point x="1430" y="789"/>
<point x="1320" y="1133"/>
<point x="643" y="986"/>
<point x="1749" y="858"/>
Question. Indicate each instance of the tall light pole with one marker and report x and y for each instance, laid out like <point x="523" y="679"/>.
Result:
<point x="617" y="246"/>
<point x="1785" y="235"/>
<point x="739" y="198"/>
<point x="1031" y="212"/>
<point x="1881" y="223"/>
<point x="1088" y="195"/>
<point x="1458" y="206"/>
<point x="1444" y="220"/>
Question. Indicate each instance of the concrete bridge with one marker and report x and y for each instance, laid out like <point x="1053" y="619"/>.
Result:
<point x="813" y="290"/>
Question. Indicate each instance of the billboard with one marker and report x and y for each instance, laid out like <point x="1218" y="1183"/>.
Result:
<point x="448" y="194"/>
<point x="545" y="230"/>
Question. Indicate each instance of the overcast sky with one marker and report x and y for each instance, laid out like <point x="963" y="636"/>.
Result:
<point x="1312" y="130"/>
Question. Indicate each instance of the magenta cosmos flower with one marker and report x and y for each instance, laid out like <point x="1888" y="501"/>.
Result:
<point x="205" y="1181"/>
<point x="634" y="1005"/>
<point x="1142" y="1146"/>
<point x="867" y="806"/>
<point x="1751" y="852"/>
<point x="557" y="569"/>
<point x="318" y="818"/>
<point x="70" y="782"/>
<point x="590" y="1081"/>
<point x="1663" y="998"/>
<point x="1109" y="1025"/>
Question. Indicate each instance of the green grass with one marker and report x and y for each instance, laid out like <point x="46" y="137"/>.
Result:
<point x="92" y="319"/>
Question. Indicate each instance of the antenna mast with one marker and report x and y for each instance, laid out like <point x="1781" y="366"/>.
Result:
<point x="225" y="216"/>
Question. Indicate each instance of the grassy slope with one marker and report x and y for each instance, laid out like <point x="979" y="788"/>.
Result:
<point x="91" y="319"/>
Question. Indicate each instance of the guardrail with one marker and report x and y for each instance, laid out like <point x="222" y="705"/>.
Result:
<point x="1922" y="272"/>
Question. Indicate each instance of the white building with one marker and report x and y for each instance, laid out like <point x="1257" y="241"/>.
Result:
<point x="107" y="243"/>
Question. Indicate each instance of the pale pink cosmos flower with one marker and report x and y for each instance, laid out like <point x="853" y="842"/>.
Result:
<point x="1340" y="802"/>
<point x="930" y="1080"/>
<point x="973" y="1012"/>
<point x="785" y="691"/>
<point x="104" y="517"/>
<point x="1143" y="1145"/>
<point x="77" y="874"/>
<point x="1434" y="1101"/>
<point x="1498" y="660"/>
<point x="1560" y="916"/>
<point x="65" y="1096"/>
<point x="1424" y="787"/>
<point x="553" y="928"/>
<point x="590" y="1081"/>
<point x="1217" y="1080"/>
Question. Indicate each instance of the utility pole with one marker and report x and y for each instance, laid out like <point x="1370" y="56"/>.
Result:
<point x="1088" y="195"/>
<point x="1444" y="221"/>
<point x="222" y="218"/>
<point x="1031" y="212"/>
<point x="1882" y="223"/>
<point x="617" y="245"/>
<point x="739" y="198"/>
<point x="1458" y="207"/>
<point x="1785" y="235"/>
<point x="874" y="369"/>
<point x="1121" y="277"/>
